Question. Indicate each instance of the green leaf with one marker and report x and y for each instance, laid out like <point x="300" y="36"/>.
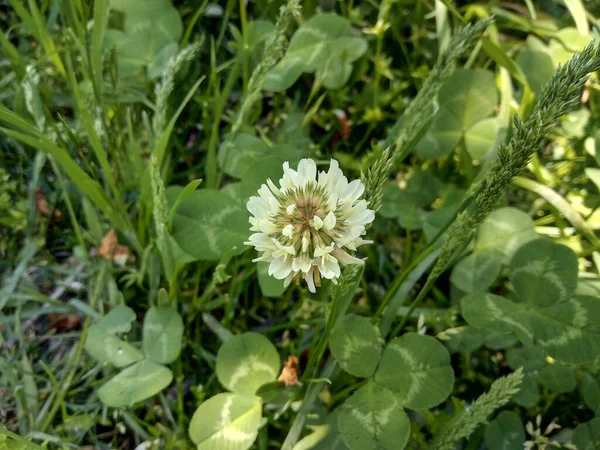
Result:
<point x="247" y="155"/>
<point x="480" y="138"/>
<point x="134" y="384"/>
<point x="505" y="432"/>
<point x="591" y="395"/>
<point x="529" y="394"/>
<point x="566" y="330"/>
<point x="465" y="98"/>
<point x="356" y="344"/>
<point x="503" y="232"/>
<point x="543" y="273"/>
<point x="247" y="361"/>
<point x="467" y="339"/>
<point x="226" y="421"/>
<point x="557" y="378"/>
<point x="531" y="359"/>
<point x="325" y="44"/>
<point x="245" y="149"/>
<point x="587" y="435"/>
<point x="476" y="272"/>
<point x="269" y="286"/>
<point x="163" y="329"/>
<point x="373" y="419"/>
<point x="417" y="369"/>
<point x="105" y="347"/>
<point x="565" y="43"/>
<point x="538" y="68"/>
<point x="268" y="166"/>
<point x="208" y="223"/>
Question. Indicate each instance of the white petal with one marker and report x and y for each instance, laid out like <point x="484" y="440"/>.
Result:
<point x="311" y="170"/>
<point x="288" y="230"/>
<point x="322" y="250"/>
<point x="317" y="223"/>
<point x="260" y="240"/>
<point x="302" y="263"/>
<point x="310" y="281"/>
<point x="268" y="227"/>
<point x="330" y="221"/>
<point x="353" y="192"/>
<point x="284" y="248"/>
<point x="273" y="188"/>
<point x="305" y="243"/>
<point x="288" y="279"/>
<point x="258" y="207"/>
<point x="332" y="201"/>
<point x="345" y="258"/>
<point x="363" y="218"/>
<point x="280" y="267"/>
<point x="290" y="209"/>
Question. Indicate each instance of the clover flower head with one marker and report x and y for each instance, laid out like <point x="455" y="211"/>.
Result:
<point x="304" y="227"/>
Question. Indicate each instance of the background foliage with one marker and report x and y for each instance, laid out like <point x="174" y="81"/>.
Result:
<point x="133" y="133"/>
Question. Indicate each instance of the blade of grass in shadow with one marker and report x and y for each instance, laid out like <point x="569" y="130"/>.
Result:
<point x="87" y="186"/>
<point x="93" y="137"/>
<point x="35" y="24"/>
<point x="100" y="23"/>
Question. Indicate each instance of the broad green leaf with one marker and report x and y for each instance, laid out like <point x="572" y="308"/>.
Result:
<point x="499" y="341"/>
<point x="356" y="344"/>
<point x="503" y="232"/>
<point x="208" y="223"/>
<point x="565" y="43"/>
<point x="557" y="378"/>
<point x="417" y="369"/>
<point x="406" y="204"/>
<point x="247" y="361"/>
<point x="149" y="38"/>
<point x="103" y="344"/>
<point x="373" y="419"/>
<point x="530" y="358"/>
<point x="465" y="98"/>
<point x="269" y="286"/>
<point x="529" y="393"/>
<point x="325" y="44"/>
<point x="235" y="156"/>
<point x="226" y="421"/>
<point x="492" y="312"/>
<point x="134" y="384"/>
<point x="538" y="68"/>
<point x="505" y="432"/>
<point x="270" y="165"/>
<point x="543" y="273"/>
<point x="467" y="339"/>
<point x="163" y="329"/>
<point x="480" y="138"/>
<point x="476" y="272"/>
<point x="566" y="330"/>
<point x="587" y="435"/>
<point x="591" y="395"/>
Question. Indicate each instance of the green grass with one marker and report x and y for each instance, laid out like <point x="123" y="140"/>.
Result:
<point x="137" y="138"/>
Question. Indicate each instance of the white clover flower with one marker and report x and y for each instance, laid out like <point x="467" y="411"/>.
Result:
<point x="303" y="227"/>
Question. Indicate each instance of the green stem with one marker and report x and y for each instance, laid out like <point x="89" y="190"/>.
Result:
<point x="317" y="355"/>
<point x="245" y="44"/>
<point x="310" y="398"/>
